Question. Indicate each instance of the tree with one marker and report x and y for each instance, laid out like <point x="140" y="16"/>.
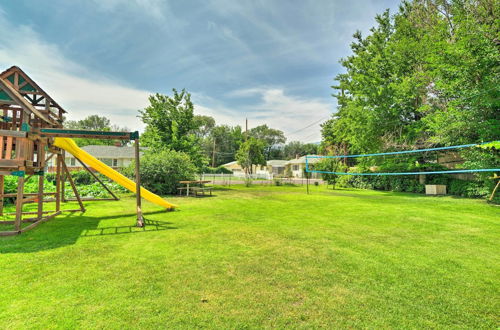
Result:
<point x="250" y="153"/>
<point x="162" y="170"/>
<point x="222" y="143"/>
<point x="329" y="165"/>
<point x="297" y="148"/>
<point x="170" y="124"/>
<point x="271" y="137"/>
<point x="95" y="123"/>
<point x="204" y="125"/>
<point x="427" y="75"/>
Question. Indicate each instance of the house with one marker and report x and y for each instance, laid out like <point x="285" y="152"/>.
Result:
<point x="233" y="167"/>
<point x="277" y="168"/>
<point x="113" y="156"/>
<point x="297" y="166"/>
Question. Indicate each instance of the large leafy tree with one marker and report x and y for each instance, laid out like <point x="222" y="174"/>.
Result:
<point x="204" y="125"/>
<point x="223" y="143"/>
<point x="95" y="123"/>
<point x="295" y="149"/>
<point x="171" y="124"/>
<point x="427" y="75"/>
<point x="250" y="153"/>
<point x="272" y="138"/>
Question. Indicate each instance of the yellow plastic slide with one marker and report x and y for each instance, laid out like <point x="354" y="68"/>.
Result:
<point x="70" y="146"/>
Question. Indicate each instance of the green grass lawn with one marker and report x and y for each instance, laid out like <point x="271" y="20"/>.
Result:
<point x="259" y="257"/>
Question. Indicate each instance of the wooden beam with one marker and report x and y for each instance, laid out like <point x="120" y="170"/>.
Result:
<point x="12" y="162"/>
<point x="58" y="183"/>
<point x="97" y="178"/>
<point x="73" y="186"/>
<point x="17" y="134"/>
<point x="140" y="218"/>
<point x="19" y="203"/>
<point x="40" y="221"/>
<point x="41" y="178"/>
<point x="2" y="181"/>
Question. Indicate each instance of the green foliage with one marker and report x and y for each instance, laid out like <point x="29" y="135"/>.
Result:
<point x="296" y="148"/>
<point x="427" y="75"/>
<point x="85" y="183"/>
<point x="162" y="170"/>
<point x="204" y="125"/>
<point x="222" y="143"/>
<point x="271" y="137"/>
<point x="83" y="177"/>
<point x="250" y="153"/>
<point x="329" y="165"/>
<point x="217" y="170"/>
<point x="94" y="123"/>
<point x="171" y="125"/>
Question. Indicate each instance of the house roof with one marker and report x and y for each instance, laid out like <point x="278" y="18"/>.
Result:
<point x="230" y="163"/>
<point x="277" y="162"/>
<point x="302" y="160"/>
<point x="110" y="151"/>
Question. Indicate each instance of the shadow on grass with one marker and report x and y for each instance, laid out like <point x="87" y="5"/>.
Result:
<point x="66" y="229"/>
<point x="151" y="225"/>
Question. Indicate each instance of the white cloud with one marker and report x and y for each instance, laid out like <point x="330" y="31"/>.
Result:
<point x="75" y="88"/>
<point x="291" y="114"/>
<point x="84" y="92"/>
<point x="152" y="8"/>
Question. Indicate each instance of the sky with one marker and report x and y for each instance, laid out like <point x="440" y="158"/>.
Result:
<point x="271" y="61"/>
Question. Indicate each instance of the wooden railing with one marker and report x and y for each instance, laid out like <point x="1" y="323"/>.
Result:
<point x="15" y="149"/>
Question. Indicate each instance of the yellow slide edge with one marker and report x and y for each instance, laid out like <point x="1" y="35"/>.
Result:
<point x="70" y="146"/>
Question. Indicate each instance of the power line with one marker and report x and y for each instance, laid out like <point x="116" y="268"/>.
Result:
<point x="303" y="128"/>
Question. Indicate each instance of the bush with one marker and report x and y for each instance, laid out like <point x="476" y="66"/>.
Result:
<point x="82" y="177"/>
<point x="217" y="170"/>
<point x="162" y="170"/>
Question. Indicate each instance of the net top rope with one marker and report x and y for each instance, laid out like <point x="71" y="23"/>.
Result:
<point x="404" y="152"/>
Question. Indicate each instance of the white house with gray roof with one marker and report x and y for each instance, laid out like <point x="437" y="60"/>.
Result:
<point x="278" y="167"/>
<point x="298" y="165"/>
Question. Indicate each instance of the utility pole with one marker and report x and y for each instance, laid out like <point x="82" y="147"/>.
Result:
<point x="213" y="155"/>
<point x="246" y="129"/>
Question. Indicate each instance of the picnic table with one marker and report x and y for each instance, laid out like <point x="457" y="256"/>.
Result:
<point x="199" y="183"/>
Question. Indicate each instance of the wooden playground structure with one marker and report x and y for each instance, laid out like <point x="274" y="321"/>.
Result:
<point x="30" y="120"/>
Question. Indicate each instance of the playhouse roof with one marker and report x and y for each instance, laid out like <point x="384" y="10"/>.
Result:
<point x="18" y="89"/>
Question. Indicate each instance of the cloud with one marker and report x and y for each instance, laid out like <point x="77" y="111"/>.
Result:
<point x="291" y="114"/>
<point x="80" y="91"/>
<point x="83" y="91"/>
<point x="152" y="8"/>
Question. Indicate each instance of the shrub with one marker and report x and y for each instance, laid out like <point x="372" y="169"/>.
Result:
<point x="217" y="170"/>
<point x="82" y="177"/>
<point x="162" y="170"/>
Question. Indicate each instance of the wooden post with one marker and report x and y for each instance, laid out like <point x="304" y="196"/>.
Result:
<point x="73" y="186"/>
<point x="41" y="164"/>
<point x="2" y="181"/>
<point x="19" y="203"/>
<point x="97" y="178"/>
<point x="495" y="190"/>
<point x="63" y="176"/>
<point x="58" y="182"/>
<point x="140" y="218"/>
